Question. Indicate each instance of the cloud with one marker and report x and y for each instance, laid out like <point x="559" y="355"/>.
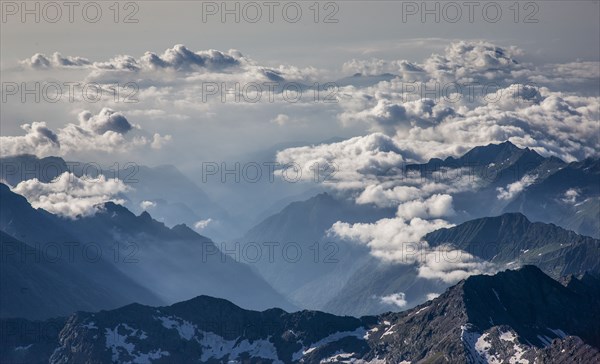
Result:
<point x="181" y="58"/>
<point x="348" y="164"/>
<point x="396" y="299"/>
<point x="475" y="62"/>
<point x="388" y="116"/>
<point x="202" y="224"/>
<point x="433" y="207"/>
<point x="106" y="120"/>
<point x="391" y="238"/>
<point x="399" y="241"/>
<point x="451" y="265"/>
<point x="375" y="67"/>
<point x="159" y="141"/>
<point x="407" y="127"/>
<point x="431" y="296"/>
<point x="478" y="93"/>
<point x="41" y="61"/>
<point x="106" y="131"/>
<point x="38" y="139"/>
<point x="145" y="205"/>
<point x="178" y="58"/>
<point x="175" y="65"/>
<point x="71" y="196"/>
<point x="570" y="196"/>
<point x="513" y="189"/>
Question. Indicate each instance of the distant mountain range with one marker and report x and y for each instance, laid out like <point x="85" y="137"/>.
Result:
<point x="134" y="259"/>
<point x="509" y="240"/>
<point x="566" y="194"/>
<point x="550" y="220"/>
<point x="514" y="316"/>
<point x="174" y="198"/>
<point x="325" y="263"/>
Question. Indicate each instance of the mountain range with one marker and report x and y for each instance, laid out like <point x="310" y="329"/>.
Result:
<point x="514" y="316"/>
<point x="134" y="283"/>
<point x="355" y="283"/>
<point x="131" y="258"/>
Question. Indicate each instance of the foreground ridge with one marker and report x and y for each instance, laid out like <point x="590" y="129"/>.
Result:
<point x="514" y="316"/>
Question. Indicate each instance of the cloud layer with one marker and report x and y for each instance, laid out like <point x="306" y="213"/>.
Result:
<point x="474" y="94"/>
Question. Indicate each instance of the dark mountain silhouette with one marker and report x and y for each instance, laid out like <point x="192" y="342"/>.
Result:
<point x="512" y="316"/>
<point x="172" y="263"/>
<point x="39" y="283"/>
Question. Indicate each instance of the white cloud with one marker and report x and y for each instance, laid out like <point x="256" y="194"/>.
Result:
<point x="159" y="141"/>
<point x="412" y="128"/>
<point x="178" y="58"/>
<point x="434" y="207"/>
<point x="41" y="61"/>
<point x="38" y="139"/>
<point x="513" y="189"/>
<point x="71" y="196"/>
<point x="432" y="296"/>
<point x="396" y="239"/>
<point x="350" y="163"/>
<point x="202" y="224"/>
<point x="396" y="299"/>
<point x="451" y="265"/>
<point x="145" y="205"/>
<point x="570" y="196"/>
<point x="106" y="131"/>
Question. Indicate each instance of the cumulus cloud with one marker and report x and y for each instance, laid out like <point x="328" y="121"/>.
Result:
<point x="399" y="241"/>
<point x="394" y="239"/>
<point x="475" y="62"/>
<point x="181" y="58"/>
<point x="38" y="139"/>
<point x="478" y="93"/>
<point x="410" y="128"/>
<point x="396" y="299"/>
<point x="178" y="58"/>
<point x="71" y="196"/>
<point x="175" y="63"/>
<point x="106" y="131"/>
<point x="41" y="61"/>
<point x="348" y="164"/>
<point x="145" y="205"/>
<point x="159" y="141"/>
<point x="513" y="189"/>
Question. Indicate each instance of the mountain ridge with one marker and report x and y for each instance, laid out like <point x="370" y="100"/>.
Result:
<point x="479" y="319"/>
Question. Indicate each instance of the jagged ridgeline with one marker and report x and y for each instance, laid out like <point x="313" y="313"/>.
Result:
<point x="520" y="316"/>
